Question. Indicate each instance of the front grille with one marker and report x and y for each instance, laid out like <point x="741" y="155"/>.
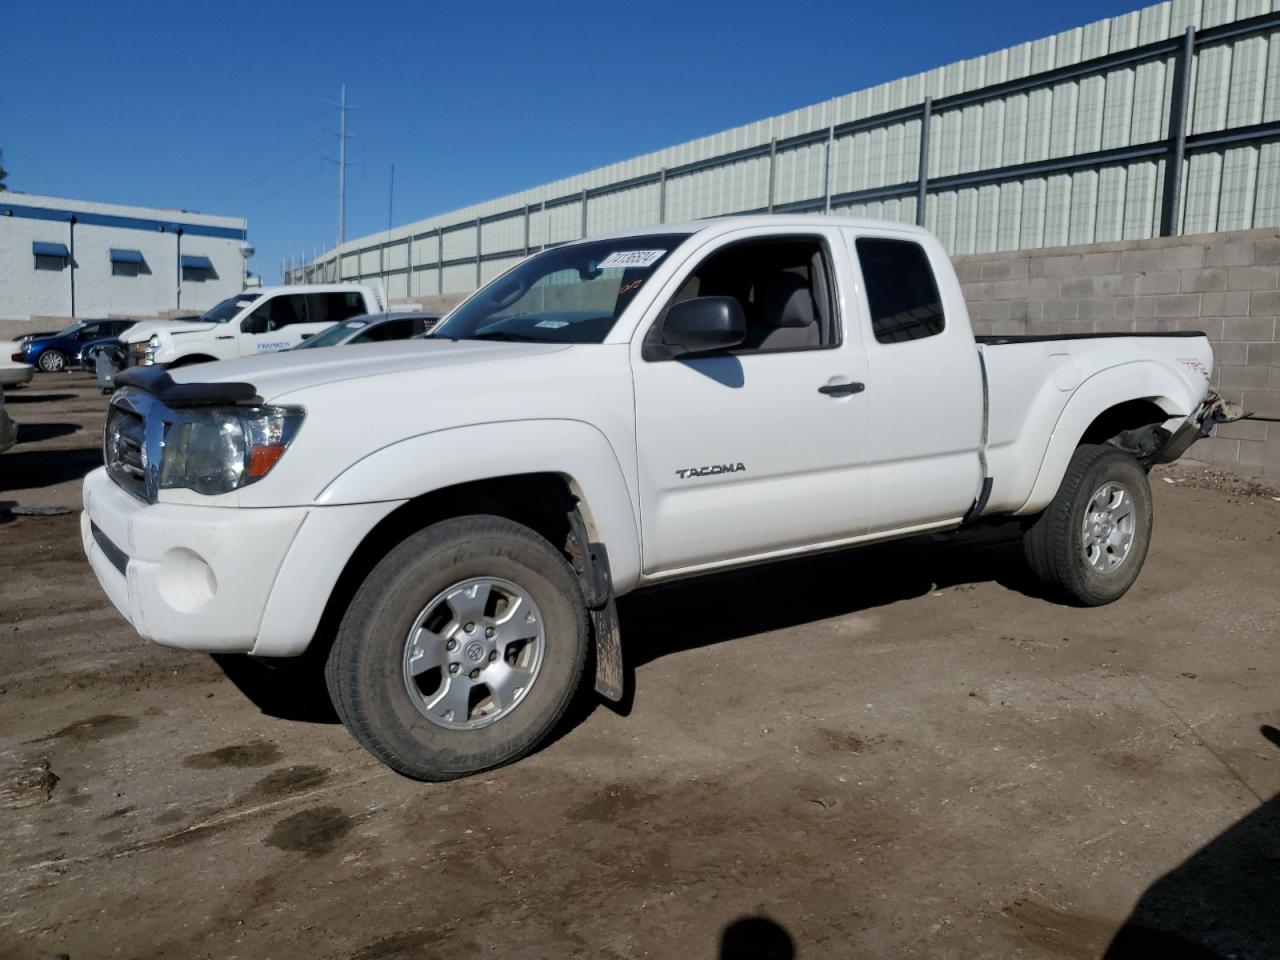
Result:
<point x="123" y="450"/>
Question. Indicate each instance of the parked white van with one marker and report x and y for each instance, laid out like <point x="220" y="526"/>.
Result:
<point x="264" y="320"/>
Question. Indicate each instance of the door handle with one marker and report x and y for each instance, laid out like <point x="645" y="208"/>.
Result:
<point x="841" y="389"/>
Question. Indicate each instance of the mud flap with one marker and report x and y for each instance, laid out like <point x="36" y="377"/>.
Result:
<point x="597" y="588"/>
<point x="604" y="623"/>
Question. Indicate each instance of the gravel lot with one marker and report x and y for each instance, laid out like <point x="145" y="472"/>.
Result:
<point x="900" y="752"/>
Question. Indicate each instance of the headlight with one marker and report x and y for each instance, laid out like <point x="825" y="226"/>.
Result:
<point x="153" y="341"/>
<point x="220" y="449"/>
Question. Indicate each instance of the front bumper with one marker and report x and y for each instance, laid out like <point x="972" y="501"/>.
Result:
<point x="185" y="576"/>
<point x="220" y="579"/>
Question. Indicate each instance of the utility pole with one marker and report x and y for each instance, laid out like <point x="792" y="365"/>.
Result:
<point x="391" y="197"/>
<point x="342" y="107"/>
<point x="342" y="167"/>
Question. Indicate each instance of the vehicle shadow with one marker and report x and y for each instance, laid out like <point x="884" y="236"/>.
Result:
<point x="287" y="689"/>
<point x="1221" y="903"/>
<point x="23" y="470"/>
<point x="708" y="610"/>
<point x="25" y="397"/>
<point x="35" y="432"/>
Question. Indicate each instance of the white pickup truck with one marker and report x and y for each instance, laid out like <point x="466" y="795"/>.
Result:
<point x="447" y="521"/>
<point x="265" y="320"/>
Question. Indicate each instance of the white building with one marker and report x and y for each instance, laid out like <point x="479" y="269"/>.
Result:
<point x="74" y="258"/>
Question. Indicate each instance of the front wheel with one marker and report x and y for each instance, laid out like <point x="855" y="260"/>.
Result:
<point x="461" y="650"/>
<point x="52" y="361"/>
<point x="1091" y="541"/>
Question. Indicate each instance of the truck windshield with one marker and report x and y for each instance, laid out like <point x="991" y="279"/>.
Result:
<point x="228" y="308"/>
<point x="570" y="294"/>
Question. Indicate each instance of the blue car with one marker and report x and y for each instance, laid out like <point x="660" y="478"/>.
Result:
<point x="57" y="351"/>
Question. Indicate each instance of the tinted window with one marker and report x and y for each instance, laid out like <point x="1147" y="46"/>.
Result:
<point x="782" y="286"/>
<point x="901" y="291"/>
<point x="282" y="311"/>
<point x="335" y="307"/>
<point x="391" y="330"/>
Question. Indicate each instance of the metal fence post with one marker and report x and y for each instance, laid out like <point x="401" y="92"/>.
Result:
<point x="479" y="224"/>
<point x="922" y="176"/>
<point x="439" y="260"/>
<point x="662" y="195"/>
<point x="1169" y="225"/>
<point x="526" y="229"/>
<point x="584" y="213"/>
<point x="546" y="229"/>
<point x="826" y="188"/>
<point x="773" y="163"/>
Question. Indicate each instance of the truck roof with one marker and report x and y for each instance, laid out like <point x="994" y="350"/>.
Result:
<point x="713" y="225"/>
<point x="307" y="288"/>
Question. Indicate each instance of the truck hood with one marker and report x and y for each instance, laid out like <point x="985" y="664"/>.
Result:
<point x="275" y="375"/>
<point x="141" y="332"/>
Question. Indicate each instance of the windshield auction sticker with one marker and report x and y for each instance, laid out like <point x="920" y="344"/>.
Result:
<point x="631" y="258"/>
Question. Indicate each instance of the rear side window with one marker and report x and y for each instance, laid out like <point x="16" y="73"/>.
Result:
<point x="901" y="290"/>
<point x="335" y="307"/>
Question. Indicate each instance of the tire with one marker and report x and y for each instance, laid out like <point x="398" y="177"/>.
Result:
<point x="426" y="582"/>
<point x="52" y="361"/>
<point x="1092" y="566"/>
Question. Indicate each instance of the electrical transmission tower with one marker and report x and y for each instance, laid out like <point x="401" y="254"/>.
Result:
<point x="342" y="107"/>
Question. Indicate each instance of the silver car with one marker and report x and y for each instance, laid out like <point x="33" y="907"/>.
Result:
<point x="373" y="328"/>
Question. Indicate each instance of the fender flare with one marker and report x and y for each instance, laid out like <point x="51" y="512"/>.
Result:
<point x="1138" y="380"/>
<point x="573" y="449"/>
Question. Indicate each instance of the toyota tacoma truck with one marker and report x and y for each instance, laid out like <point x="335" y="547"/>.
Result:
<point x="447" y="522"/>
<point x="263" y="320"/>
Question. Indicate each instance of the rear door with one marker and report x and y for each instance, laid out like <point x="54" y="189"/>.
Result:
<point x="759" y="449"/>
<point x="924" y="389"/>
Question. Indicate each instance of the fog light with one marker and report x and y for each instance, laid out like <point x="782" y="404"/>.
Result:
<point x="185" y="581"/>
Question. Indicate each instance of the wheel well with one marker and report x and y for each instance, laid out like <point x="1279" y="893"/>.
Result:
<point x="1130" y="415"/>
<point x="190" y="359"/>
<point x="540" y="501"/>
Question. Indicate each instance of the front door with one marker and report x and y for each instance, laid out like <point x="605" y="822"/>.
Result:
<point x="758" y="449"/>
<point x="277" y="323"/>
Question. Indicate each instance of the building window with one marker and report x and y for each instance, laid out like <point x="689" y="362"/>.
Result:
<point x="50" y="256"/>
<point x="197" y="269"/>
<point x="128" y="263"/>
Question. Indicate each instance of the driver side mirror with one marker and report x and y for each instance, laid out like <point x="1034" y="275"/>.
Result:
<point x="700" y="325"/>
<point x="253" y="324"/>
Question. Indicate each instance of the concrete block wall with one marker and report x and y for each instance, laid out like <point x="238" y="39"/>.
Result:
<point x="1226" y="284"/>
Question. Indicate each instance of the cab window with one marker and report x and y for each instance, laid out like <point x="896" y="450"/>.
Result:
<point x="901" y="291"/>
<point x="335" y="307"/>
<point x="281" y="311"/>
<point x="783" y="285"/>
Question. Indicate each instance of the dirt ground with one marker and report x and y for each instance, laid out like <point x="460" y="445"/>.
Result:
<point x="899" y="752"/>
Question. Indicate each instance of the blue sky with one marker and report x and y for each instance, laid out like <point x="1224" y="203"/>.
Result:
<point x="221" y="107"/>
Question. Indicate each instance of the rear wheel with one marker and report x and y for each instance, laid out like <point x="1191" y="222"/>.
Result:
<point x="52" y="361"/>
<point x="462" y="649"/>
<point x="1091" y="541"/>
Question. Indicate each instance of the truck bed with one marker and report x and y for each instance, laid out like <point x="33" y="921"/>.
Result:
<point x="1043" y="337"/>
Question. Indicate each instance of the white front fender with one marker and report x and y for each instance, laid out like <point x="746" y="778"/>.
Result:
<point x="571" y="448"/>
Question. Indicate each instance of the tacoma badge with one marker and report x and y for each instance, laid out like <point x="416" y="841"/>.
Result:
<point x="710" y="471"/>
